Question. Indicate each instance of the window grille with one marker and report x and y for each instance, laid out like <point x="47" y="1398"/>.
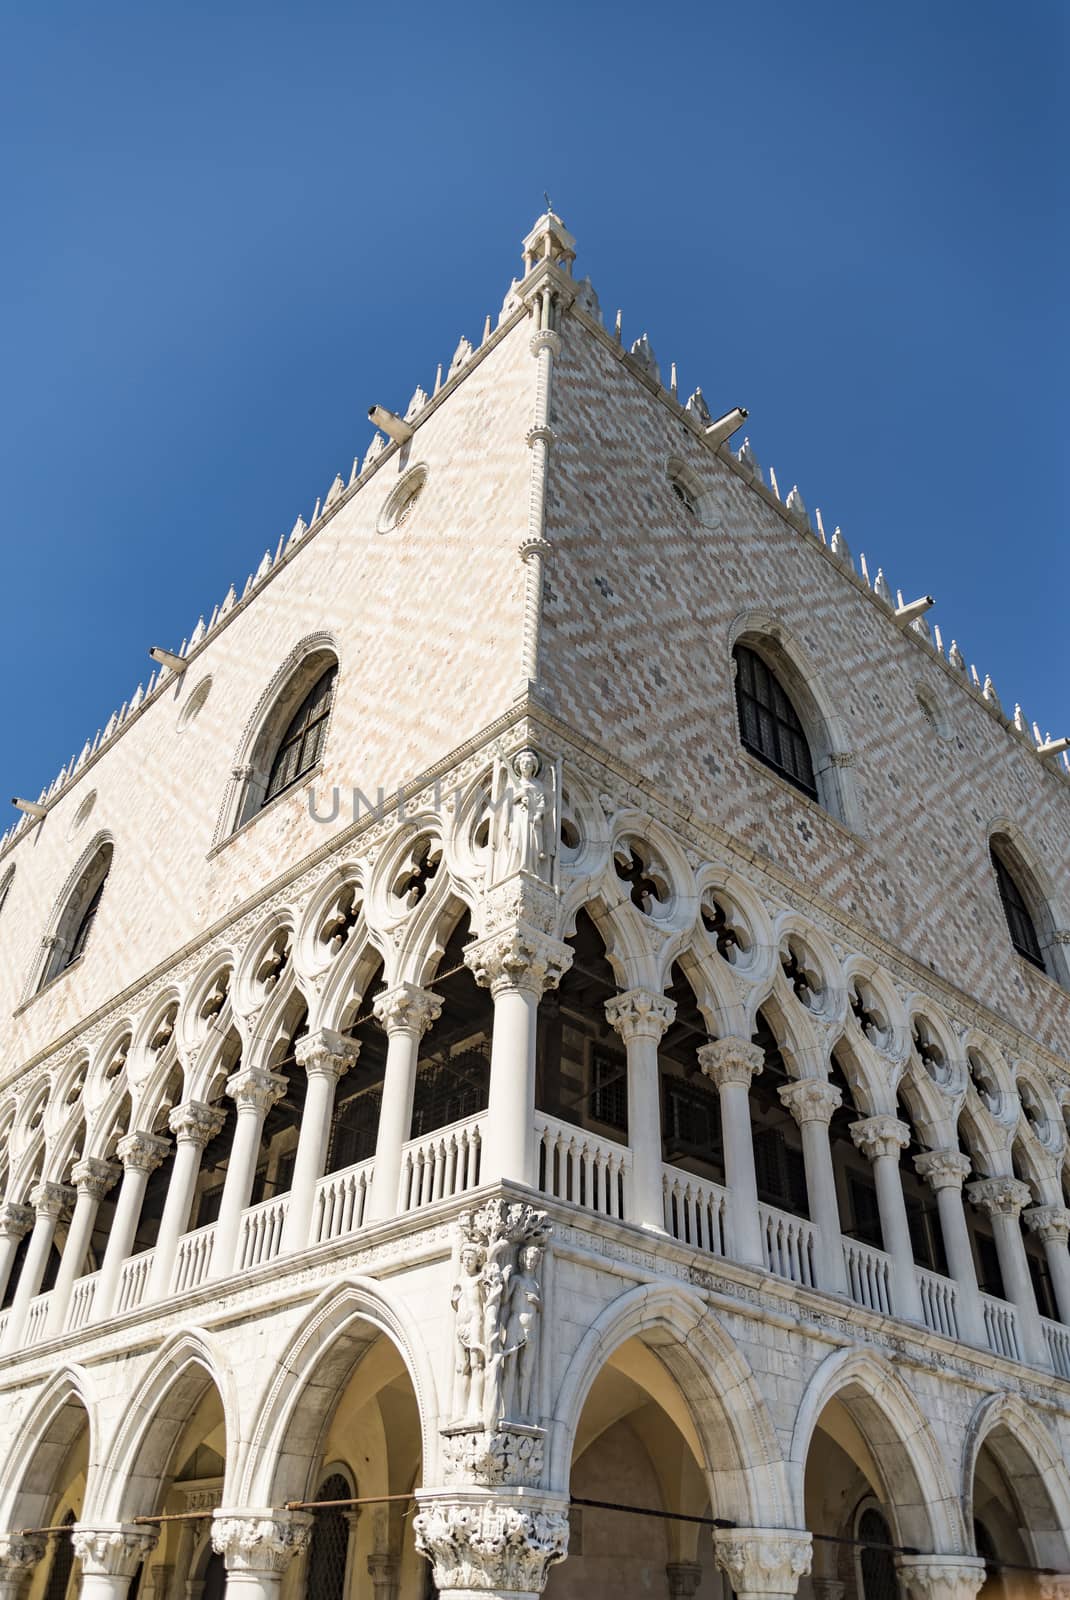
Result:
<point x="609" y="1089"/>
<point x="925" y="1236"/>
<point x="329" y="1546"/>
<point x="879" y="1580"/>
<point x="989" y="1276"/>
<point x="769" y="725"/>
<point x="208" y="1206"/>
<point x="302" y="743"/>
<point x="692" y="1120"/>
<point x="864" y="1211"/>
<point x="447" y="1091"/>
<point x="1019" y="919"/>
<point x="781" y="1172"/>
<point x="59" y="1576"/>
<point x="354" y="1129"/>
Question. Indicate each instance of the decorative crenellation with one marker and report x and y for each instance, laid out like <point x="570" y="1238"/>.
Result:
<point x="763" y="1561"/>
<point x="113" y="1551"/>
<point x="507" y="1546"/>
<point x="260" y="1541"/>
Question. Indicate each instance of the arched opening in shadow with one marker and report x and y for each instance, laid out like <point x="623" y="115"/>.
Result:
<point x="52" y="1494"/>
<point x="1016" y="1522"/>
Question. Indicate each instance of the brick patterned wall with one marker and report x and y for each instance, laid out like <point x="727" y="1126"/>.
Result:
<point x="637" y="619"/>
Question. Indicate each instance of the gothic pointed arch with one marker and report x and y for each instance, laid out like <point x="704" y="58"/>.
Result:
<point x="1008" y="1428"/>
<point x="62" y="1412"/>
<point x="74" y="914"/>
<point x="1024" y="894"/>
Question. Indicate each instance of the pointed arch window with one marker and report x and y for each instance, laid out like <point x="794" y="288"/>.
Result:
<point x="769" y="725"/>
<point x="302" y="743"/>
<point x="1016" y="909"/>
<point x="78" y="916"/>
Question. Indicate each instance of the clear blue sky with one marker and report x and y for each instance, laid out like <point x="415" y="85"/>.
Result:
<point x="229" y="228"/>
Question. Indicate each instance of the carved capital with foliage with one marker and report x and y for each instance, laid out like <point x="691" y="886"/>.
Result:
<point x="505" y="1545"/>
<point x="762" y="1561"/>
<point x="260" y="1541"/>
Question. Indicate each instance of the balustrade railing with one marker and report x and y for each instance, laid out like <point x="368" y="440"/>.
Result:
<point x="1058" y="1336"/>
<point x="1001" y="1326"/>
<point x="441" y="1164"/>
<point x="582" y="1168"/>
<point x="82" y="1301"/>
<point x="193" y="1258"/>
<point x="261" y="1232"/>
<point x="37" y="1317"/>
<point x="132" y="1281"/>
<point x="340" y="1201"/>
<point x="695" y="1210"/>
<point x="789" y="1245"/>
<point x="869" y="1273"/>
<point x="939" y="1302"/>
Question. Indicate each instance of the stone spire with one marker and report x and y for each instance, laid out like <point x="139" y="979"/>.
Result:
<point x="549" y="240"/>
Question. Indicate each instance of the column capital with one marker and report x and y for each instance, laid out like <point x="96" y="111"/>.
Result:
<point x="505" y="1545"/>
<point x="194" y="1122"/>
<point x="15" y="1220"/>
<point x="260" y="1541"/>
<point x="518" y="958"/>
<point x="94" y="1177"/>
<point x="114" y="1550"/>
<point x="142" y="1152"/>
<point x="1054" y="1586"/>
<point x="811" y="1100"/>
<point x="327" y="1053"/>
<point x="763" y="1561"/>
<point x="255" y="1088"/>
<point x="406" y="1008"/>
<point x="1052" y="1223"/>
<point x="731" y="1060"/>
<point x="882" y="1135"/>
<point x="684" y="1578"/>
<point x="1000" y="1197"/>
<point x="640" y="1014"/>
<point x="384" y="1571"/>
<point x="943" y="1169"/>
<point x="52" y="1199"/>
<point x="19" y="1553"/>
<point x="936" y="1577"/>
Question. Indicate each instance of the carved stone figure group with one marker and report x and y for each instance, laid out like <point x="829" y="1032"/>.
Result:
<point x="497" y="1303"/>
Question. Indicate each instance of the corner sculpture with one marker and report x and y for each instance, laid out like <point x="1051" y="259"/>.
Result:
<point x="497" y="1303"/>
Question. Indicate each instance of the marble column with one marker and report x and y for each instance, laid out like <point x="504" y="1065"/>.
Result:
<point x="499" y="1548"/>
<point x="326" y="1057"/>
<point x="405" y="1013"/>
<point x="938" y="1577"/>
<point x="257" y="1547"/>
<point x="92" y="1180"/>
<point x="1052" y="1224"/>
<point x="880" y="1139"/>
<point x="194" y="1126"/>
<point x="254" y="1091"/>
<point x="812" y="1102"/>
<point x="763" y="1563"/>
<point x="110" y="1556"/>
<point x="731" y="1064"/>
<point x="140" y="1154"/>
<point x="517" y="965"/>
<point x="50" y="1202"/>
<point x="15" y="1223"/>
<point x="641" y="1019"/>
<point x="1003" y="1200"/>
<point x="19" y="1554"/>
<point x="945" y="1171"/>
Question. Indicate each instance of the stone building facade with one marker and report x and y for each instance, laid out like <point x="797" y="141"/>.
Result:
<point x="534" y="1053"/>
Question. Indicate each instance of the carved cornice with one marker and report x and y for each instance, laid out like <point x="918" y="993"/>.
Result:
<point x="194" y="1122"/>
<point x="260" y="1541"/>
<point x="762" y="1561"/>
<point x="731" y="1061"/>
<point x="1000" y="1197"/>
<point x="499" y="1544"/>
<point x="407" y="1009"/>
<point x="115" y="1551"/>
<point x="882" y="1135"/>
<point x="639" y="1014"/>
<point x="811" y="1099"/>
<point x="943" y="1169"/>
<point x="327" y="1053"/>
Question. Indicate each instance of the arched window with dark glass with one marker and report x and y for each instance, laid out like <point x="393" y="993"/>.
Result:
<point x="877" y="1560"/>
<point x="1016" y="908"/>
<point x="75" y="923"/>
<point x="302" y="743"/>
<point x="769" y="725"/>
<point x="328" y="1551"/>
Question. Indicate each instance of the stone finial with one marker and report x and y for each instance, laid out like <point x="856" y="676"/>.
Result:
<point x="989" y="692"/>
<point x="840" y="548"/>
<point x="642" y="351"/>
<point x="796" y="505"/>
<point x="506" y="1546"/>
<point x="956" y="658"/>
<point x="731" y="1060"/>
<point x="880" y="587"/>
<point x="1020" y="724"/>
<point x="763" y="1561"/>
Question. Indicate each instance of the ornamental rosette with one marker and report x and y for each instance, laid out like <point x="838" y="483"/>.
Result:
<point x="492" y="1544"/>
<point x="260" y="1543"/>
<point x="763" y="1561"/>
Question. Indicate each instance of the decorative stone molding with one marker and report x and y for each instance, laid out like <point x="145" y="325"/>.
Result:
<point x="256" y="1088"/>
<point x="142" y="1152"/>
<point x="15" y="1220"/>
<point x="115" y="1551"/>
<point x="943" y="1169"/>
<point x="260" y="1541"/>
<point x="407" y="1009"/>
<point x="639" y="1014"/>
<point x="93" y="1177"/>
<point x="1054" y="1586"/>
<point x="509" y="1455"/>
<point x="811" y="1100"/>
<point x="19" y="1554"/>
<point x="763" y="1561"/>
<point x="507" y="1546"/>
<point x="882" y="1135"/>
<point x="518" y="958"/>
<point x="684" y="1578"/>
<point x="941" y="1577"/>
<point x="196" y="1123"/>
<point x="326" y="1052"/>
<point x="545" y="339"/>
<point x="1052" y="1223"/>
<point x="1000" y="1197"/>
<point x="385" y="1573"/>
<point x="497" y="1306"/>
<point x="528" y="549"/>
<point x="52" y="1199"/>
<point x="731" y="1061"/>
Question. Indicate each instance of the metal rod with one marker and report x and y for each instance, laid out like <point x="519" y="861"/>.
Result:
<point x="177" y="1516"/>
<point x="649" y="1511"/>
<point x="357" y="1500"/>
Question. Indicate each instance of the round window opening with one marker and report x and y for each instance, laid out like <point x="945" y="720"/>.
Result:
<point x="194" y="705"/>
<point x="81" y="816"/>
<point x="402" y="500"/>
